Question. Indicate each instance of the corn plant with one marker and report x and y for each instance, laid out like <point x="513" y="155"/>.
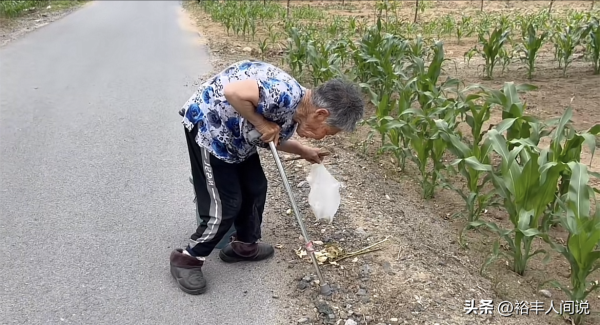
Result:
<point x="410" y="28"/>
<point x="340" y="47"/>
<point x="377" y="59"/>
<point x="425" y="4"/>
<point x="530" y="45"/>
<point x="297" y="50"/>
<point x="378" y="63"/>
<point x="468" y="56"/>
<point x="380" y="7"/>
<point x="428" y="28"/>
<point x="425" y="136"/>
<point x="273" y="37"/>
<point x="263" y="47"/>
<point x="476" y="114"/>
<point x="383" y="81"/>
<point x="505" y="57"/>
<point x="566" y="39"/>
<point x="389" y="78"/>
<point x="566" y="145"/>
<point x="505" y="21"/>
<point x="447" y="25"/>
<point x="526" y="189"/>
<point x="427" y="144"/>
<point x="378" y="122"/>
<point x="491" y="47"/>
<point x="485" y="23"/>
<point x="594" y="43"/>
<point x="475" y="197"/>
<point x="227" y="21"/>
<point x="578" y="17"/>
<point x="307" y="12"/>
<point x="427" y="77"/>
<point x="463" y="28"/>
<point x="323" y="61"/>
<point x="514" y="120"/>
<point x="384" y="61"/>
<point x="418" y="47"/>
<point x="252" y="23"/>
<point x="365" y="52"/>
<point x="581" y="249"/>
<point x="398" y="130"/>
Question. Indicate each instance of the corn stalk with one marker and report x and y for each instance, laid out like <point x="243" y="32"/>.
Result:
<point x="476" y="199"/>
<point x="531" y="44"/>
<point x="491" y="47"/>
<point x="566" y="39"/>
<point x="514" y="121"/>
<point x="581" y="249"/>
<point x="526" y="189"/>
<point x="594" y="43"/>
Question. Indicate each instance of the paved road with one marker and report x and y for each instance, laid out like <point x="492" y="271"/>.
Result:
<point x="94" y="190"/>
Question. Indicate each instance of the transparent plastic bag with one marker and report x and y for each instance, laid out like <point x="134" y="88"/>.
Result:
<point x="324" y="196"/>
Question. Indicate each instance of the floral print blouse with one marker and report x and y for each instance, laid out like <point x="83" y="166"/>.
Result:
<point x="222" y="130"/>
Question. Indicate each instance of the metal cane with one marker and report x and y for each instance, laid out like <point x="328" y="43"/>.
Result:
<point x="325" y="289"/>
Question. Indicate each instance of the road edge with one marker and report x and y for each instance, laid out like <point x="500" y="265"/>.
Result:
<point x="27" y="23"/>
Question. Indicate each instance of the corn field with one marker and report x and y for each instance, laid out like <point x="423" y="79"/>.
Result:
<point x="400" y="66"/>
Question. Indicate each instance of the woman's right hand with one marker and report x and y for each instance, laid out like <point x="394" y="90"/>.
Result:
<point x="270" y="132"/>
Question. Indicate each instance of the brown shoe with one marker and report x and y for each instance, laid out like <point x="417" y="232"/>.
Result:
<point x="237" y="251"/>
<point x="187" y="270"/>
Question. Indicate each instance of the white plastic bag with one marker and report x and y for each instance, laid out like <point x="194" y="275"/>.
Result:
<point x="324" y="196"/>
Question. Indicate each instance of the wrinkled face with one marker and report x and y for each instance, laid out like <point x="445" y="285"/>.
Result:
<point x="314" y="126"/>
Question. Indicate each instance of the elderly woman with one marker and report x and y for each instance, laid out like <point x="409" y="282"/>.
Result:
<point x="220" y="120"/>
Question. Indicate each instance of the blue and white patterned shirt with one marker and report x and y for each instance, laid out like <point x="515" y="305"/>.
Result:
<point x="222" y="130"/>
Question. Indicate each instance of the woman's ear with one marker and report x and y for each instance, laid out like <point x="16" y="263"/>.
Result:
<point x="322" y="114"/>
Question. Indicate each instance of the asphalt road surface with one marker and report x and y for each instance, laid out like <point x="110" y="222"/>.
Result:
<point x="94" y="190"/>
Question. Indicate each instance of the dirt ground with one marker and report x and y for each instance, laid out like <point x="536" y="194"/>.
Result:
<point x="422" y="275"/>
<point x="13" y="28"/>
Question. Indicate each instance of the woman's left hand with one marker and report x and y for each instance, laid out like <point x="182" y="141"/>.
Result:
<point x="313" y="155"/>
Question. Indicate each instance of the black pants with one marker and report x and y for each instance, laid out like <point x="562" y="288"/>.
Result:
<point x="226" y="194"/>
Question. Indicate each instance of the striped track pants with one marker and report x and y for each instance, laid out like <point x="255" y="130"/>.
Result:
<point x="226" y="194"/>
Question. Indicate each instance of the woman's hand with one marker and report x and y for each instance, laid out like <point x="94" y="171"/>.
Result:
<point x="269" y="131"/>
<point x="313" y="155"/>
<point x="243" y="96"/>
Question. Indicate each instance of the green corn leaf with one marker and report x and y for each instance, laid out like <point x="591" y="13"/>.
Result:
<point x="505" y="124"/>
<point x="531" y="232"/>
<point x="526" y="181"/>
<point x="573" y="244"/>
<point x="524" y="219"/>
<point x="559" y="132"/>
<point x="397" y="124"/>
<point x="549" y="176"/>
<point x="528" y="143"/>
<point x="594" y="129"/>
<point x="578" y="191"/>
<point x="459" y="148"/>
<point x="526" y="87"/>
<point x="589" y="243"/>
<point x="511" y="93"/>
<point x="476" y="165"/>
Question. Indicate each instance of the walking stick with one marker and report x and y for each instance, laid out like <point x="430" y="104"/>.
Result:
<point x="325" y="289"/>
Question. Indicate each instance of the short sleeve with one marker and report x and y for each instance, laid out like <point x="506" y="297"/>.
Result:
<point x="278" y="100"/>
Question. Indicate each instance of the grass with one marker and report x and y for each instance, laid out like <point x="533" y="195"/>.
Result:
<point x="18" y="8"/>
